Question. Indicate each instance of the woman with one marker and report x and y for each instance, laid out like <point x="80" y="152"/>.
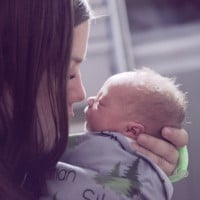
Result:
<point x="35" y="52"/>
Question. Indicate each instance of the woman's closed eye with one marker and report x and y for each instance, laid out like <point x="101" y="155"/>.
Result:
<point x="72" y="76"/>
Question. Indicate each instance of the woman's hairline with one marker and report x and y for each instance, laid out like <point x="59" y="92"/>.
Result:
<point x="82" y="12"/>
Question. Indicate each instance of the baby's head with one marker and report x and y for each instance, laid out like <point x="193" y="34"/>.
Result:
<point x="140" y="101"/>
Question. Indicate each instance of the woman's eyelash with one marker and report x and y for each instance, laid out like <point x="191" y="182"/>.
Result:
<point x="72" y="76"/>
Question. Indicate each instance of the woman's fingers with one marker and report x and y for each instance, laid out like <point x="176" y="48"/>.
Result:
<point x="178" y="137"/>
<point x="159" y="151"/>
<point x="167" y="167"/>
<point x="163" y="153"/>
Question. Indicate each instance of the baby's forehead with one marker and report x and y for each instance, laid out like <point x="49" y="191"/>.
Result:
<point x="125" y="89"/>
<point x="114" y="86"/>
<point x="120" y="82"/>
<point x="120" y="90"/>
<point x="123" y="79"/>
<point x="117" y="80"/>
<point x="110" y="89"/>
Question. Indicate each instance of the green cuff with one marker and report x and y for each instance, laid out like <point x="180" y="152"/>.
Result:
<point x="181" y="170"/>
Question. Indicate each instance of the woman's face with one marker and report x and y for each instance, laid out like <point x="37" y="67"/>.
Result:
<point x="76" y="90"/>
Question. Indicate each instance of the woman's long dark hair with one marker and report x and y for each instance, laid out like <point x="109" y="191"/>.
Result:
<point x="35" y="46"/>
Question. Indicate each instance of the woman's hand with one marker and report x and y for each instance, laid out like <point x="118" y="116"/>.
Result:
<point x="163" y="153"/>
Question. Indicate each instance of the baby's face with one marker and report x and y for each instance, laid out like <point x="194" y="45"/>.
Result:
<point x="104" y="112"/>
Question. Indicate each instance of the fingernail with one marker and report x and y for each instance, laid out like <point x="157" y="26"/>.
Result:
<point x="142" y="138"/>
<point x="166" y="131"/>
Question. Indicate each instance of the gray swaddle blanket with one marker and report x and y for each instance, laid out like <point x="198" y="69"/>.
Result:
<point x="104" y="166"/>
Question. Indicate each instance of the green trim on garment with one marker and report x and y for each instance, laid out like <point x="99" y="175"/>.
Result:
<point x="181" y="170"/>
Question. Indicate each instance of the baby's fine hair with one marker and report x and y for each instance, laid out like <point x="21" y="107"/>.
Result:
<point x="158" y="101"/>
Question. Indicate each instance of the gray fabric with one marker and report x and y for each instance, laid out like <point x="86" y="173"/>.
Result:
<point x="108" y="169"/>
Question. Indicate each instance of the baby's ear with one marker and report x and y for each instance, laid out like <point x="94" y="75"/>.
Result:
<point x="133" y="129"/>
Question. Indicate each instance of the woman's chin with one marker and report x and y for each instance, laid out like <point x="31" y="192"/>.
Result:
<point x="70" y="113"/>
<point x="86" y="126"/>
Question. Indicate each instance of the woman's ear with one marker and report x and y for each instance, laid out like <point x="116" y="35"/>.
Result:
<point x="133" y="129"/>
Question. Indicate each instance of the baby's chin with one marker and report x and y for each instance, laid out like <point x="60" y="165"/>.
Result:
<point x="87" y="128"/>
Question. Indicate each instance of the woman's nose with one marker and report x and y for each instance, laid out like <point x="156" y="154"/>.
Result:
<point x="80" y="93"/>
<point x="90" y="101"/>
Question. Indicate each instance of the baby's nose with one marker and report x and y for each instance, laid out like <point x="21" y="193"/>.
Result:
<point x="90" y="101"/>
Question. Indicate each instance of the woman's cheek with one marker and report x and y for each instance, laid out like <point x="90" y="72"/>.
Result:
<point x="69" y="91"/>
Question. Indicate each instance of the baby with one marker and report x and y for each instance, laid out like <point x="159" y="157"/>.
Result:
<point x="127" y="105"/>
<point x="140" y="101"/>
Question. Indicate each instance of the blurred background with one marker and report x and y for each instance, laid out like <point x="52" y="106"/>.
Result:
<point x="161" y="34"/>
